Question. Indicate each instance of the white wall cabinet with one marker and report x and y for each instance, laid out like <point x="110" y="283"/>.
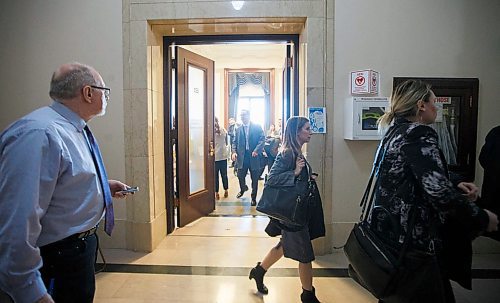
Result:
<point x="361" y="115"/>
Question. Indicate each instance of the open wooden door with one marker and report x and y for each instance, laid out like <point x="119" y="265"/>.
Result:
<point x="195" y="137"/>
<point x="290" y="100"/>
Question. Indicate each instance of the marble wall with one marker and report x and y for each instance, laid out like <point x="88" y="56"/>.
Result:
<point x="143" y="125"/>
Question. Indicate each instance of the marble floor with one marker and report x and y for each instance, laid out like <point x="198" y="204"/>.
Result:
<point x="209" y="261"/>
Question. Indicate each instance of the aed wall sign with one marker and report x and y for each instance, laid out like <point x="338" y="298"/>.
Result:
<point x="364" y="82"/>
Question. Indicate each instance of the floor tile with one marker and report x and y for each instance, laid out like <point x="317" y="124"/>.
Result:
<point x="209" y="259"/>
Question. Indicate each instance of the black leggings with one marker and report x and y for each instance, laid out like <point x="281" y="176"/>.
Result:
<point x="221" y="167"/>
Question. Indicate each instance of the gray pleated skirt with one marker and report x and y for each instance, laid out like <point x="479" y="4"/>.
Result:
<point x="297" y="245"/>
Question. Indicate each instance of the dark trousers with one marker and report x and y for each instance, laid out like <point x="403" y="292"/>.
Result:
<point x="254" y="175"/>
<point x="221" y="168"/>
<point x="68" y="269"/>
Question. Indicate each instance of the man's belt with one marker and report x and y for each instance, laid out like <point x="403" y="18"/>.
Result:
<point x="85" y="234"/>
<point x="72" y="238"/>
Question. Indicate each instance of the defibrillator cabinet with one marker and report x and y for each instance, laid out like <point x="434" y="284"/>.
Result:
<point x="361" y="116"/>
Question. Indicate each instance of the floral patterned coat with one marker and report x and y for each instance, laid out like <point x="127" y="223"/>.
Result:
<point x="413" y="171"/>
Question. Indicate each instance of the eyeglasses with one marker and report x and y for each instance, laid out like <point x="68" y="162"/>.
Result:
<point x="106" y="90"/>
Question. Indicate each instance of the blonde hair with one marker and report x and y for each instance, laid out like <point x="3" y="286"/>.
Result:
<point x="404" y="99"/>
<point x="290" y="142"/>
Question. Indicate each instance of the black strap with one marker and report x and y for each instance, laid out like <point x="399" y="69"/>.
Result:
<point x="379" y="157"/>
<point x="367" y="199"/>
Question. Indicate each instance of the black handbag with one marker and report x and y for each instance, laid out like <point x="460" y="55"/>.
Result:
<point x="287" y="204"/>
<point x="393" y="272"/>
<point x="390" y="274"/>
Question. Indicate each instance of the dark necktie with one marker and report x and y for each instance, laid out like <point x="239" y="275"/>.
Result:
<point x="109" y="219"/>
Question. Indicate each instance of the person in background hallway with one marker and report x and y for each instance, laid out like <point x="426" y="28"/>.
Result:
<point x="289" y="169"/>
<point x="247" y="150"/>
<point x="413" y="171"/>
<point x="489" y="158"/>
<point x="278" y="127"/>
<point x="271" y="132"/>
<point x="231" y="131"/>
<point x="220" y="158"/>
<point x="272" y="145"/>
<point x="53" y="195"/>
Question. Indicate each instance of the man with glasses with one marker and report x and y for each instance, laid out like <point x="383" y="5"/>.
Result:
<point x="54" y="192"/>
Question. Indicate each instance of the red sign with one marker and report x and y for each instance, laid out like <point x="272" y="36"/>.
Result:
<point x="364" y="82"/>
<point x="443" y="100"/>
<point x="360" y="80"/>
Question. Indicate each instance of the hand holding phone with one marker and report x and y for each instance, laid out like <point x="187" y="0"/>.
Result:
<point x="130" y="190"/>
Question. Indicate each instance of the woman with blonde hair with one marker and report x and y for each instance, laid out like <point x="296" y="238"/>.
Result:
<point x="413" y="179"/>
<point x="290" y="169"/>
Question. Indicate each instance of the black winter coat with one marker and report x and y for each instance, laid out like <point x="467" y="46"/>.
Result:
<point x="414" y="174"/>
<point x="489" y="158"/>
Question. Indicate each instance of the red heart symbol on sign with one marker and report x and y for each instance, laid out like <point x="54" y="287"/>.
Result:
<point x="360" y="80"/>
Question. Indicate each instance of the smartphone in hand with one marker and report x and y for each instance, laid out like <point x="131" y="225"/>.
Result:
<point x="130" y="190"/>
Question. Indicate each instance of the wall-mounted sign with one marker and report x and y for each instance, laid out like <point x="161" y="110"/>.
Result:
<point x="443" y="100"/>
<point x="317" y="118"/>
<point x="364" y="82"/>
<point x="439" y="103"/>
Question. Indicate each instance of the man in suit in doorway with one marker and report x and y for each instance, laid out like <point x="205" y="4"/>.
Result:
<point x="247" y="149"/>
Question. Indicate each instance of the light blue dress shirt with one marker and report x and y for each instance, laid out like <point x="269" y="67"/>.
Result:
<point x="49" y="190"/>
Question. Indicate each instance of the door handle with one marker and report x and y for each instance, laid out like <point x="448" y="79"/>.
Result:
<point x="212" y="149"/>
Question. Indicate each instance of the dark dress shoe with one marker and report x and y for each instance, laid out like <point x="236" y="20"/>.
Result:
<point x="253" y="203"/>
<point x="242" y="192"/>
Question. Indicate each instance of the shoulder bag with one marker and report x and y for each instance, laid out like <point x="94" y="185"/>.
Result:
<point x="288" y="204"/>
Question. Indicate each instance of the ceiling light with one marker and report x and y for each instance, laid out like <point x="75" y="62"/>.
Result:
<point x="237" y="5"/>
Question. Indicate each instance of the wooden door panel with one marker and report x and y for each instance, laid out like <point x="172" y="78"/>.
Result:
<point x="195" y="167"/>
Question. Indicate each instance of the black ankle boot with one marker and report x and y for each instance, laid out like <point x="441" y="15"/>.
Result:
<point x="309" y="296"/>
<point x="258" y="273"/>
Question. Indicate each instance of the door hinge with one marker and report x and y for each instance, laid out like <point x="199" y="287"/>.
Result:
<point x="289" y="62"/>
<point x="470" y="102"/>
<point x="173" y="62"/>
<point x="176" y="202"/>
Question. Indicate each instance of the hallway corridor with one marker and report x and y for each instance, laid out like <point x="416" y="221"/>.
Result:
<point x="209" y="261"/>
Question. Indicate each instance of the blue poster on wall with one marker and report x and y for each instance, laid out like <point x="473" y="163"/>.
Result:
<point x="317" y="117"/>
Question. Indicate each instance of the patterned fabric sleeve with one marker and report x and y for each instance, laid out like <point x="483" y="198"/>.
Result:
<point x="430" y="171"/>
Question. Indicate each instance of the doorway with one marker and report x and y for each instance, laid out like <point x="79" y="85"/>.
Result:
<point x="179" y="166"/>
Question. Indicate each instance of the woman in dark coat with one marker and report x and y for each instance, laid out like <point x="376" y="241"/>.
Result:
<point x="291" y="169"/>
<point x="413" y="176"/>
